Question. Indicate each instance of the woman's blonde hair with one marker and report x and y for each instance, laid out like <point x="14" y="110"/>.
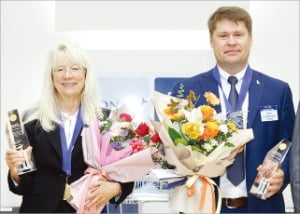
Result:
<point x="47" y="109"/>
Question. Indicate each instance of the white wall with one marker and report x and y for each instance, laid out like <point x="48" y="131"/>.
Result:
<point x="150" y="38"/>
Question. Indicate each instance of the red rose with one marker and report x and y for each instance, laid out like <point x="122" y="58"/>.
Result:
<point x="142" y="129"/>
<point x="125" y="117"/>
<point x="155" y="138"/>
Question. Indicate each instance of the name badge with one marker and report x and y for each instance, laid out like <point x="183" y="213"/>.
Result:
<point x="268" y="113"/>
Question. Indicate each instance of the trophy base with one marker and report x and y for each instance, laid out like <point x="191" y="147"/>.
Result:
<point x="259" y="190"/>
<point x="24" y="171"/>
<point x="26" y="168"/>
<point x="28" y="165"/>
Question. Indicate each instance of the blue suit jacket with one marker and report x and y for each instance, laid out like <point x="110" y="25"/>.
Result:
<point x="264" y="90"/>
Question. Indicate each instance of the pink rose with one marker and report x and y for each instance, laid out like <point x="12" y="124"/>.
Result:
<point x="136" y="145"/>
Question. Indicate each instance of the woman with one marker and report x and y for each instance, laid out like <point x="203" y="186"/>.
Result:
<point x="53" y="127"/>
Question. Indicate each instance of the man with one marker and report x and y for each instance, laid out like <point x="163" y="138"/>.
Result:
<point x="266" y="104"/>
<point x="295" y="163"/>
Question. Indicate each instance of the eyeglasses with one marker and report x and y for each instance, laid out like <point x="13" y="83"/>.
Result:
<point x="74" y="70"/>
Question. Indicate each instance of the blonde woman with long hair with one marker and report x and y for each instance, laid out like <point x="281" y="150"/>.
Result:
<point x="53" y="125"/>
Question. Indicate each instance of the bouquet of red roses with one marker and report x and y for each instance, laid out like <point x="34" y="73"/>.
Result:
<point x="117" y="149"/>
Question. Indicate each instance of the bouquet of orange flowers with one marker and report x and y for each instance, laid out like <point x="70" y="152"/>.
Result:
<point x="199" y="127"/>
<point x="200" y="143"/>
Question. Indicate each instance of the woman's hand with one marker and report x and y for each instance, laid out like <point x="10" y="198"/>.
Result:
<point x="101" y="192"/>
<point x="14" y="159"/>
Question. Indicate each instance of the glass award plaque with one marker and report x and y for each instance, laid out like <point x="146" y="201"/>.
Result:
<point x="18" y="139"/>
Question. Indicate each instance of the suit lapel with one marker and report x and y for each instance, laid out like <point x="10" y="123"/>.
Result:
<point x="78" y="145"/>
<point x="54" y="138"/>
<point x="208" y="83"/>
<point x="255" y="95"/>
<point x="55" y="141"/>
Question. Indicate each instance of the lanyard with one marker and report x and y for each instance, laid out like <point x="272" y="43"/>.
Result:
<point x="67" y="152"/>
<point x="244" y="89"/>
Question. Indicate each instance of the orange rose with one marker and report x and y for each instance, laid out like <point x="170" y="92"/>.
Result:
<point x="207" y="112"/>
<point x="172" y="115"/>
<point x="211" y="130"/>
<point x="211" y="98"/>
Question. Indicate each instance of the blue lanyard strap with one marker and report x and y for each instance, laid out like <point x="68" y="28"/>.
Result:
<point x="244" y="89"/>
<point x="67" y="152"/>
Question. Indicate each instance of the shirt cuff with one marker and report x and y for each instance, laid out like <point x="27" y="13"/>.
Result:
<point x="13" y="180"/>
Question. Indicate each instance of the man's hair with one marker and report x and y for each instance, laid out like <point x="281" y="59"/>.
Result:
<point x="235" y="14"/>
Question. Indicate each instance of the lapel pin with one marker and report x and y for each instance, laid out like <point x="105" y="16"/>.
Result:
<point x="257" y="82"/>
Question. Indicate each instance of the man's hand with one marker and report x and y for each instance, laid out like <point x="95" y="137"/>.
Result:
<point x="275" y="182"/>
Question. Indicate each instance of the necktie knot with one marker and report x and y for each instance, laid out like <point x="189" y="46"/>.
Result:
<point x="232" y="80"/>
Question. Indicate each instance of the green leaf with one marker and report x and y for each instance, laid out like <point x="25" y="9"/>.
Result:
<point x="182" y="141"/>
<point x="173" y="134"/>
<point x="109" y="124"/>
<point x="164" y="164"/>
<point x="176" y="137"/>
<point x="195" y="148"/>
<point x="229" y="144"/>
<point x="147" y="139"/>
<point x="180" y="91"/>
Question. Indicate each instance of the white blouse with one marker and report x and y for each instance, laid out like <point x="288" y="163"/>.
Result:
<point x="69" y="122"/>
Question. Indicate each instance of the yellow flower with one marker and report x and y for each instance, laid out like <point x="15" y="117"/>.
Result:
<point x="211" y="98"/>
<point x="232" y="126"/>
<point x="191" y="129"/>
<point x="207" y="112"/>
<point x="201" y="128"/>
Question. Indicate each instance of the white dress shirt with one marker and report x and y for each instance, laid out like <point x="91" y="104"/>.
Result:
<point x="228" y="190"/>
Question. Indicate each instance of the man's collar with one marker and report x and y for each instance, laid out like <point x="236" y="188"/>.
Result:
<point x="240" y="75"/>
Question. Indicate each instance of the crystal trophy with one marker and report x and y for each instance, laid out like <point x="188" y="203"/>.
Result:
<point x="18" y="139"/>
<point x="271" y="163"/>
